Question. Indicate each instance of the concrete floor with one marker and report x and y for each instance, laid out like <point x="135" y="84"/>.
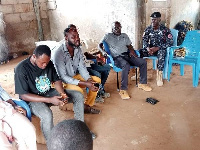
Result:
<point x="171" y="124"/>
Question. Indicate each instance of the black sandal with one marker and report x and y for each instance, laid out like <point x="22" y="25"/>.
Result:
<point x="94" y="111"/>
<point x="90" y="110"/>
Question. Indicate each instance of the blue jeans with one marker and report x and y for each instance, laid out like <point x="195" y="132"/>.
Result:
<point x="43" y="111"/>
<point x="100" y="71"/>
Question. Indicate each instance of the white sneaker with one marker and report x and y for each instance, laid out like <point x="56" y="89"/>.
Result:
<point x="159" y="78"/>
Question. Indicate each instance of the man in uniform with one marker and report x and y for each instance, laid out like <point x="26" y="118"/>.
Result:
<point x="156" y="39"/>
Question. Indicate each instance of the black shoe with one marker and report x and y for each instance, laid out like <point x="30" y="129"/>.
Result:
<point x="90" y="110"/>
<point x="93" y="135"/>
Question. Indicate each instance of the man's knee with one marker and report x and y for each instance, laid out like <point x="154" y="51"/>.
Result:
<point x="97" y="74"/>
<point x="141" y="62"/>
<point x="107" y="67"/>
<point x="79" y="96"/>
<point x="42" y="111"/>
<point x="144" y="62"/>
<point x="126" y="66"/>
<point x="161" y="53"/>
<point x="73" y="87"/>
<point x="75" y="96"/>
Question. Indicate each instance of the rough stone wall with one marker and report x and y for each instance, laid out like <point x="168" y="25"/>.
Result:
<point x="93" y="17"/>
<point x="187" y="10"/>
<point x="21" y="24"/>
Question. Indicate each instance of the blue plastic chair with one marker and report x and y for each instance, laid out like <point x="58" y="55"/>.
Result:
<point x="174" y="32"/>
<point x="191" y="44"/>
<point x="24" y="105"/>
<point x="110" y="61"/>
<point x="197" y="71"/>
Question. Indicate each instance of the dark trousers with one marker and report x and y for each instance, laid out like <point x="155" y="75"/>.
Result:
<point x="100" y="71"/>
<point x="161" y="54"/>
<point x="124" y="62"/>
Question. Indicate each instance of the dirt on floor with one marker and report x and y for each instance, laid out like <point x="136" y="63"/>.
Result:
<point x="172" y="124"/>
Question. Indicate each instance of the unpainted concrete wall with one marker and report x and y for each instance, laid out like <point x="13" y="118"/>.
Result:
<point x="93" y="17"/>
<point x="187" y="10"/>
<point x="21" y="24"/>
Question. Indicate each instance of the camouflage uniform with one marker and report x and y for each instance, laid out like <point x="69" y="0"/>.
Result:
<point x="161" y="38"/>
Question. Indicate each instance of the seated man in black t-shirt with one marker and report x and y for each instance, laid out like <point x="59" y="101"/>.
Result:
<point x="33" y="79"/>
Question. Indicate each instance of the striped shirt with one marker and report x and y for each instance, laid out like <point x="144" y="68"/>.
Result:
<point x="68" y="67"/>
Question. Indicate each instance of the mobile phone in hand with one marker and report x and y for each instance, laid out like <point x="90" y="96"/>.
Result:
<point x="96" y="84"/>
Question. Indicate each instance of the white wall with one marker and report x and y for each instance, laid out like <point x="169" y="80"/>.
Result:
<point x="93" y="17"/>
<point x="187" y="10"/>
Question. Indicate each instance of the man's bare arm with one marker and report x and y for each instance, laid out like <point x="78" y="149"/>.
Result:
<point x="132" y="51"/>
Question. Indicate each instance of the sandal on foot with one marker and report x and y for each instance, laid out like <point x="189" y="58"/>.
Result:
<point x="99" y="100"/>
<point x="106" y="95"/>
<point x="90" y="110"/>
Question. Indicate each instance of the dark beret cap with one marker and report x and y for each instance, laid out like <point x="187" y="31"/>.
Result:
<point x="156" y="15"/>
